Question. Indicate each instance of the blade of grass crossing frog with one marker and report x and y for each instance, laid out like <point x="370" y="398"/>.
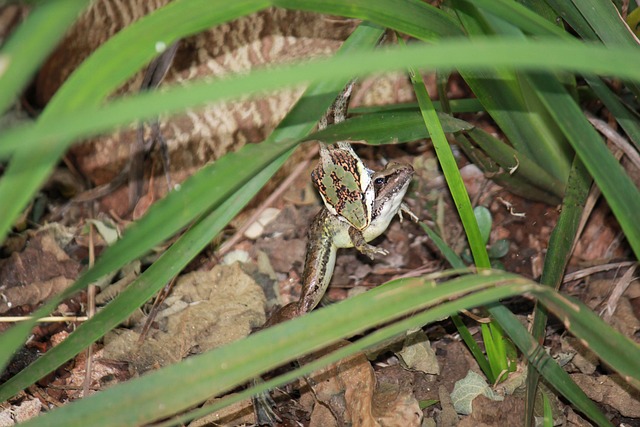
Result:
<point x="295" y="125"/>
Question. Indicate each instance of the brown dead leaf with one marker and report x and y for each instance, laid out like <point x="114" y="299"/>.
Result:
<point x="396" y="406"/>
<point x="102" y="372"/>
<point x="207" y="309"/>
<point x="417" y="354"/>
<point x="40" y="260"/>
<point x="487" y="412"/>
<point x="33" y="293"/>
<point x="612" y="391"/>
<point x="239" y="413"/>
<point x="344" y="390"/>
<point x="40" y="270"/>
<point x="347" y="390"/>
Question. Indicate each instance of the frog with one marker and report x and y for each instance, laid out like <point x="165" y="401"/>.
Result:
<point x="346" y="188"/>
<point x="328" y="233"/>
<point x="343" y="181"/>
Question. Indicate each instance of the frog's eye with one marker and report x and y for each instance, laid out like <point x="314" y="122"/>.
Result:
<point x="379" y="181"/>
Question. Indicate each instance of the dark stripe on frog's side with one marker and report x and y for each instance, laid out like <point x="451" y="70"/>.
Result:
<point x="318" y="267"/>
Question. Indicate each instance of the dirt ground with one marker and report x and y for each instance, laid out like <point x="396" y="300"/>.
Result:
<point x="222" y="297"/>
<point x="219" y="299"/>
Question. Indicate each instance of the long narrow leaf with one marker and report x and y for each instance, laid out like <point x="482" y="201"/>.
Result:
<point x="556" y="261"/>
<point x="450" y="171"/>
<point x="30" y="44"/>
<point x="623" y="196"/>
<point x="483" y="54"/>
<point x="296" y="124"/>
<point x="387" y="128"/>
<point x="215" y="372"/>
<point x="629" y="120"/>
<point x="534" y="352"/>
<point x="96" y="78"/>
<point x="174" y="388"/>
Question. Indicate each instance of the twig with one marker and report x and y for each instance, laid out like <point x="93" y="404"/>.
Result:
<point x="10" y="319"/>
<point x="576" y="275"/>
<point x="160" y="297"/>
<point x="617" y="139"/>
<point x="91" y="311"/>
<point x="621" y="286"/>
<point x="592" y="198"/>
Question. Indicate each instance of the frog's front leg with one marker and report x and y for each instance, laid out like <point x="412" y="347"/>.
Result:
<point x="362" y="246"/>
<point x="405" y="208"/>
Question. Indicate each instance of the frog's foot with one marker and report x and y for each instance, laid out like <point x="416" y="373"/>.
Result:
<point x="362" y="246"/>
<point x="404" y="208"/>
<point x="263" y="407"/>
<point x="371" y="251"/>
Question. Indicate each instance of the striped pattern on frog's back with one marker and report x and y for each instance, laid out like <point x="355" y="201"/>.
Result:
<point x="344" y="184"/>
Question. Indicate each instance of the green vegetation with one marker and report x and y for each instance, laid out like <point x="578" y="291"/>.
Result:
<point x="522" y="66"/>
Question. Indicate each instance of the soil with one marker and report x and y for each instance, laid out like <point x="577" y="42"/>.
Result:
<point x="409" y="385"/>
<point x="218" y="299"/>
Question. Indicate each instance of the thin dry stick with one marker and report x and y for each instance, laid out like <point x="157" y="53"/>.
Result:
<point x="618" y="140"/>
<point x="594" y="194"/>
<point x="580" y="274"/>
<point x="268" y="202"/>
<point x="160" y="297"/>
<point x="9" y="319"/>
<point x="621" y="286"/>
<point x="91" y="310"/>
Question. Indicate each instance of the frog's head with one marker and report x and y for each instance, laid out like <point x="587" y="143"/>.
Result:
<point x="390" y="186"/>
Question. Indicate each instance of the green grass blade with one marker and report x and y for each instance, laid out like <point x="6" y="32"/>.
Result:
<point x="501" y="174"/>
<point x="450" y="171"/>
<point x="508" y="158"/>
<point x="179" y="386"/>
<point x="547" y="412"/>
<point x="520" y="16"/>
<point x="606" y="22"/>
<point x="412" y="17"/>
<point x="456" y="187"/>
<point x="129" y="50"/>
<point x="621" y="194"/>
<point x="387" y="128"/>
<point x="454" y="260"/>
<point x="97" y="77"/>
<point x="298" y="122"/>
<point x="30" y="44"/>
<point x="172" y="389"/>
<point x="556" y="261"/>
<point x="476" y="54"/>
<point x="152" y="280"/>
<point x="548" y="368"/>
<point x="628" y="120"/>
<point x="166" y="217"/>
<point x="568" y="11"/>
<point x="473" y="347"/>
<point x="610" y="345"/>
<point x="536" y="355"/>
<point x="463" y="105"/>
<point x="506" y="98"/>
<point x="34" y="159"/>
